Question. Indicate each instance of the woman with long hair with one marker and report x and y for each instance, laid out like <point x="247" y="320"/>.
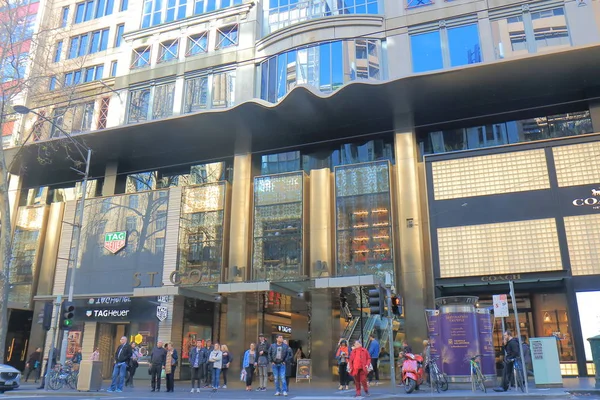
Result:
<point x="248" y="364"/>
<point x="226" y="362"/>
<point x="216" y="358"/>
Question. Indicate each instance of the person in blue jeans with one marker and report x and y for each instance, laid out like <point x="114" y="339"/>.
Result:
<point x="279" y="355"/>
<point x="122" y="357"/>
<point x="216" y="358"/>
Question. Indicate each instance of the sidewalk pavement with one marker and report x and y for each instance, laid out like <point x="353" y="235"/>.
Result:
<point x="315" y="390"/>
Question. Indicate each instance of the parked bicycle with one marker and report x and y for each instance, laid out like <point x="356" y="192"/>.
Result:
<point x="518" y="374"/>
<point x="438" y="380"/>
<point x="477" y="378"/>
<point x="61" y="376"/>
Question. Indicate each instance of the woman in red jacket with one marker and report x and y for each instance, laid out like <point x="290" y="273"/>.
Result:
<point x="360" y="360"/>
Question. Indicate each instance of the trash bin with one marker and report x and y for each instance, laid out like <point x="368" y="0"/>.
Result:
<point x="90" y="376"/>
<point x="595" y="345"/>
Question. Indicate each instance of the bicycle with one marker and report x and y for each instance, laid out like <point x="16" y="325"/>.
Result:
<point x="477" y="378"/>
<point x="60" y="376"/>
<point x="518" y="374"/>
<point x="436" y="377"/>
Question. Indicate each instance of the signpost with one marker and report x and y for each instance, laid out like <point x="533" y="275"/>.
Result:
<point x="303" y="369"/>
<point x="500" y="308"/>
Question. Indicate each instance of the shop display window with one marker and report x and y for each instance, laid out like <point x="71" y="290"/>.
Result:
<point x="202" y="230"/>
<point x="364" y="220"/>
<point x="278" y="227"/>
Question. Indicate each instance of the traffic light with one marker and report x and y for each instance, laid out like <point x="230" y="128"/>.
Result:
<point x="376" y="301"/>
<point x="396" y="306"/>
<point x="47" y="316"/>
<point x="66" y="315"/>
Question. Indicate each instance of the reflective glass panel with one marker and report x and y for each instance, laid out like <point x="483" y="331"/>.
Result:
<point x="463" y="43"/>
<point x="426" y="50"/>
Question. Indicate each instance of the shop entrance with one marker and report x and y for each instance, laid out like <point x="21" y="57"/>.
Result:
<point x="107" y="341"/>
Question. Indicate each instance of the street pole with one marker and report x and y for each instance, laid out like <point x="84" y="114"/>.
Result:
<point x="514" y="304"/>
<point x="53" y="343"/>
<point x="79" y="224"/>
<point x="362" y="316"/>
<point x="391" y="338"/>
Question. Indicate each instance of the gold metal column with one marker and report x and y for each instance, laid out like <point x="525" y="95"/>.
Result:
<point x="411" y="270"/>
<point x="241" y="213"/>
<point x="321" y="228"/>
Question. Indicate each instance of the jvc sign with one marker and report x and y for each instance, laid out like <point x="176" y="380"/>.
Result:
<point x="115" y="241"/>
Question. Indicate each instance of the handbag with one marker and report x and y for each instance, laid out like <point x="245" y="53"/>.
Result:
<point x="369" y="367"/>
<point x="243" y="375"/>
<point x="163" y="374"/>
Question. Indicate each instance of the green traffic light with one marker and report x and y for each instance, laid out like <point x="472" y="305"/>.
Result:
<point x="68" y="322"/>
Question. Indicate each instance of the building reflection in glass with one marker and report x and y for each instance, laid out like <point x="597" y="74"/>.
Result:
<point x="201" y="231"/>
<point x="278" y="227"/>
<point x="26" y="242"/>
<point x="363" y="219"/>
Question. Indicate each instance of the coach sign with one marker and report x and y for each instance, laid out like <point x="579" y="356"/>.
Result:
<point x="115" y="241"/>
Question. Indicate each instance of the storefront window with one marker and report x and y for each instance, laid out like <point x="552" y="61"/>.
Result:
<point x="201" y="232"/>
<point x="278" y="227"/>
<point x="143" y="334"/>
<point x="363" y="220"/>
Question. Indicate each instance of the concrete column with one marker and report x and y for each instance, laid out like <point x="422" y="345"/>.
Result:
<point x="595" y="115"/>
<point x="321" y="228"/>
<point x="171" y="329"/>
<point x="485" y="34"/>
<point x="178" y="96"/>
<point x="322" y="333"/>
<point x="89" y="339"/>
<point x="409" y="230"/>
<point x="14" y="194"/>
<point x="241" y="214"/>
<point x="300" y="323"/>
<point x="110" y="179"/>
<point x="235" y="334"/>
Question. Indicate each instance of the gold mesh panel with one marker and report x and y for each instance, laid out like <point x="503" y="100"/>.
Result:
<point x="577" y="164"/>
<point x="509" y="247"/>
<point x="493" y="174"/>
<point x="583" y="238"/>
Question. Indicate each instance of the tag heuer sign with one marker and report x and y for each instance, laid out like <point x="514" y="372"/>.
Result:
<point x="115" y="241"/>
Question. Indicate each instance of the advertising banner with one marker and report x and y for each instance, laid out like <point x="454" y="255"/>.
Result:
<point x="486" y="342"/>
<point x="303" y="369"/>
<point x="460" y="341"/>
<point x="433" y="332"/>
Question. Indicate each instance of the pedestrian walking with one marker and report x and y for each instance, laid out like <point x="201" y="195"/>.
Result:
<point x="227" y="359"/>
<point x="288" y="365"/>
<point x="198" y="359"/>
<point x="249" y="364"/>
<point x="122" y="357"/>
<point x="216" y="359"/>
<point x="133" y="364"/>
<point x="33" y="364"/>
<point x="374" y="350"/>
<point x="170" y="367"/>
<point x="359" y="364"/>
<point x="263" y="362"/>
<point x="342" y="356"/>
<point x="158" y="359"/>
<point x="279" y="355"/>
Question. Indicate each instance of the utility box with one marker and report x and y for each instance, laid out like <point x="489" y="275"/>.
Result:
<point x="90" y="376"/>
<point x="595" y="345"/>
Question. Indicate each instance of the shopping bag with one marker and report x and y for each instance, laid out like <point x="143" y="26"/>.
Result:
<point x="163" y="374"/>
<point x="243" y="375"/>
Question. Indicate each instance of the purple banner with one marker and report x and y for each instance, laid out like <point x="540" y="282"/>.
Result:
<point x="486" y="343"/>
<point x="433" y="331"/>
<point x="460" y="342"/>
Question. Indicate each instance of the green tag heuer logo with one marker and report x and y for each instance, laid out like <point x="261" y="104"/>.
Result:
<point x="115" y="241"/>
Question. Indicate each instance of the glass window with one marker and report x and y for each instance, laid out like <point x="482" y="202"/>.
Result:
<point x="509" y="37"/>
<point x="113" y="68"/>
<point x="155" y="12"/>
<point x="139" y="105"/>
<point x="227" y="37"/>
<point x="53" y="82"/>
<point x="418" y="3"/>
<point x="133" y="201"/>
<point x="141" y="57"/>
<point x="79" y="12"/>
<point x="223" y="89"/>
<point x="164" y="98"/>
<point x="74" y="47"/>
<point x="65" y="17"/>
<point x="161" y="220"/>
<point x="58" y="51"/>
<point x="279" y="163"/>
<point x="550" y="29"/>
<point x="463" y="44"/>
<point x="131" y="224"/>
<point x="196" y="94"/>
<point x="119" y="35"/>
<point x="100" y="8"/>
<point x="326" y="66"/>
<point x="124" y="5"/>
<point x="197" y="44"/>
<point x="426" y="51"/>
<point x="169" y="51"/>
<point x="159" y="245"/>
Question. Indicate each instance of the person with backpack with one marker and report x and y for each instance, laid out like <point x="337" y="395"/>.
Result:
<point x="279" y="355"/>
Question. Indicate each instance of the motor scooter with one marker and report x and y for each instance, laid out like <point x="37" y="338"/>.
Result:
<point x="413" y="373"/>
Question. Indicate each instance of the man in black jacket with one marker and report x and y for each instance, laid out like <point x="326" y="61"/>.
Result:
<point x="158" y="359"/>
<point x="511" y="351"/>
<point x="122" y="358"/>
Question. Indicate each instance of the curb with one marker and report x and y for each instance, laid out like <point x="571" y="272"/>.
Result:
<point x="52" y="393"/>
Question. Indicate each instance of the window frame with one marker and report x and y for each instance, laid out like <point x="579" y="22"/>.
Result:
<point x="138" y="54"/>
<point x="119" y="31"/>
<point x="152" y="101"/>
<point x="168" y="51"/>
<point x="225" y="33"/>
<point x="97" y="38"/>
<point x="188" y="107"/>
<point x="194" y="41"/>
<point x="90" y="10"/>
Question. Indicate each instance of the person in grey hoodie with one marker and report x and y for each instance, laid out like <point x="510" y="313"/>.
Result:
<point x="216" y="358"/>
